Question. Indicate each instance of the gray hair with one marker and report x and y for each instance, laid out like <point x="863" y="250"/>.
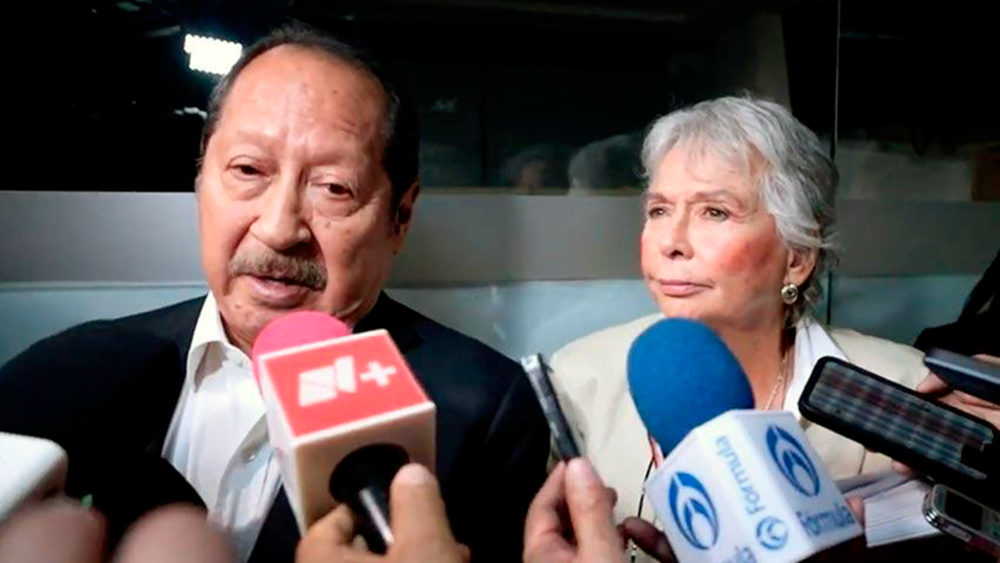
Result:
<point x="797" y="185"/>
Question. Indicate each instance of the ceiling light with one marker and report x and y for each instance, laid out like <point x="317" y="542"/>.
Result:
<point x="210" y="55"/>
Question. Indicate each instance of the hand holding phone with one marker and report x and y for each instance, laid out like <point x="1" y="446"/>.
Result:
<point x="942" y="442"/>
<point x="964" y="518"/>
<point x="972" y="376"/>
<point x="538" y="374"/>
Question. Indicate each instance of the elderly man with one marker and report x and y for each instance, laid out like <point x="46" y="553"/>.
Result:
<point x="305" y="194"/>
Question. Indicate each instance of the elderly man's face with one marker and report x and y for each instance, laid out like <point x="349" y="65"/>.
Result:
<point x="295" y="208"/>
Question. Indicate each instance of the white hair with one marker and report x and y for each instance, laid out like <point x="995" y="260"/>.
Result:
<point x="797" y="184"/>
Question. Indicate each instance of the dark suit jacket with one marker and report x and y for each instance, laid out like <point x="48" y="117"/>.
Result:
<point x="106" y="391"/>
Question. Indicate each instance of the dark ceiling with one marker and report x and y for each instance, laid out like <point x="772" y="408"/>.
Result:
<point x="121" y="83"/>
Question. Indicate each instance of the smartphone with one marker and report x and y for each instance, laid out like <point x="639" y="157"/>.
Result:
<point x="942" y="442"/>
<point x="968" y="520"/>
<point x="538" y="374"/>
<point x="975" y="377"/>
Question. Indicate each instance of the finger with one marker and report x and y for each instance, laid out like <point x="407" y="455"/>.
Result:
<point x="932" y="385"/>
<point x="902" y="468"/>
<point x="174" y="534"/>
<point x="464" y="553"/>
<point x="543" y="514"/>
<point x="988" y="358"/>
<point x="647" y="538"/>
<point x="857" y="506"/>
<point x="78" y="534"/>
<point x="332" y="538"/>
<point x="590" y="510"/>
<point x="337" y="528"/>
<point x="612" y="494"/>
<point x="543" y="526"/>
<point x="964" y="398"/>
<point x="972" y="406"/>
<point x="418" y="512"/>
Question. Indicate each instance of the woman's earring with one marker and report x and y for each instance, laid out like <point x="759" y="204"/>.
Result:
<point x="789" y="293"/>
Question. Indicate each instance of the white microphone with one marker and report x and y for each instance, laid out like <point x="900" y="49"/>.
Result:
<point x="31" y="470"/>
<point x="737" y="485"/>
<point x="344" y="413"/>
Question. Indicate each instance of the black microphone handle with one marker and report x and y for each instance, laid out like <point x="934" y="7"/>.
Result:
<point x="362" y="480"/>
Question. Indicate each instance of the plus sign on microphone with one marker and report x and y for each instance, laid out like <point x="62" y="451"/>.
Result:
<point x="343" y="413"/>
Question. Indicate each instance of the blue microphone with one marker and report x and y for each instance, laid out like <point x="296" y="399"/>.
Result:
<point x="736" y="485"/>
<point x="681" y="375"/>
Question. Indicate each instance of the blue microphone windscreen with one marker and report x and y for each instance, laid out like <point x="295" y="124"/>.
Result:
<point x="681" y="375"/>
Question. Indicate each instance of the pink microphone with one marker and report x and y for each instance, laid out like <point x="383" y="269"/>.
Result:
<point x="344" y="413"/>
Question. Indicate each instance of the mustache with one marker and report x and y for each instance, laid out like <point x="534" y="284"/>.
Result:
<point x="269" y="264"/>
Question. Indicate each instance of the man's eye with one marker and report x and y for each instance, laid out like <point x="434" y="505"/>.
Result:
<point x="337" y="189"/>
<point x="247" y="170"/>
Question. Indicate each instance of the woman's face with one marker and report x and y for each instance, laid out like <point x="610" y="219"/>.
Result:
<point x="710" y="250"/>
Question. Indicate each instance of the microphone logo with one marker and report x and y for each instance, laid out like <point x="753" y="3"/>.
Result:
<point x="340" y="381"/>
<point x="693" y="511"/>
<point x="324" y="384"/>
<point x="792" y="460"/>
<point x="772" y="533"/>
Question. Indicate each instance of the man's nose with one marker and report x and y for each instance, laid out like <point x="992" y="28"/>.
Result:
<point x="281" y="224"/>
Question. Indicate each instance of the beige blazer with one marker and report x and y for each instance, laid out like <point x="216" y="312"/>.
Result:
<point x="589" y="376"/>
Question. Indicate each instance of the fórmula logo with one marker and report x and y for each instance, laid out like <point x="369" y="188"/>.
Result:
<point x="693" y="510"/>
<point x="793" y="461"/>
<point x="772" y="533"/>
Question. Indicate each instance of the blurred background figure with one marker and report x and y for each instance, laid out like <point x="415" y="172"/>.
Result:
<point x="607" y="165"/>
<point x="535" y="167"/>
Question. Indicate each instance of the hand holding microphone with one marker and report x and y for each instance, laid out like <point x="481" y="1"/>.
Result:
<point x="419" y="525"/>
<point x="573" y="502"/>
<point x="344" y="414"/>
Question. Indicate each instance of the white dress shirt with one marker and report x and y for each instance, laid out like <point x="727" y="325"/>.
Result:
<point x="218" y="436"/>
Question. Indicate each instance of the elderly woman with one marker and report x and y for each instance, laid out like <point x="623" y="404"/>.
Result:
<point x="738" y="233"/>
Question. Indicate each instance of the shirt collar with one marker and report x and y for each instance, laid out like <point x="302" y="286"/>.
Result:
<point x="812" y="342"/>
<point x="208" y="331"/>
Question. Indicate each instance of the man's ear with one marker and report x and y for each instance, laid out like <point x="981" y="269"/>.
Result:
<point x="402" y="216"/>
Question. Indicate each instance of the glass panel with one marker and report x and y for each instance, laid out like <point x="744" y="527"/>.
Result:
<point x="536" y="97"/>
<point x="918" y="112"/>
